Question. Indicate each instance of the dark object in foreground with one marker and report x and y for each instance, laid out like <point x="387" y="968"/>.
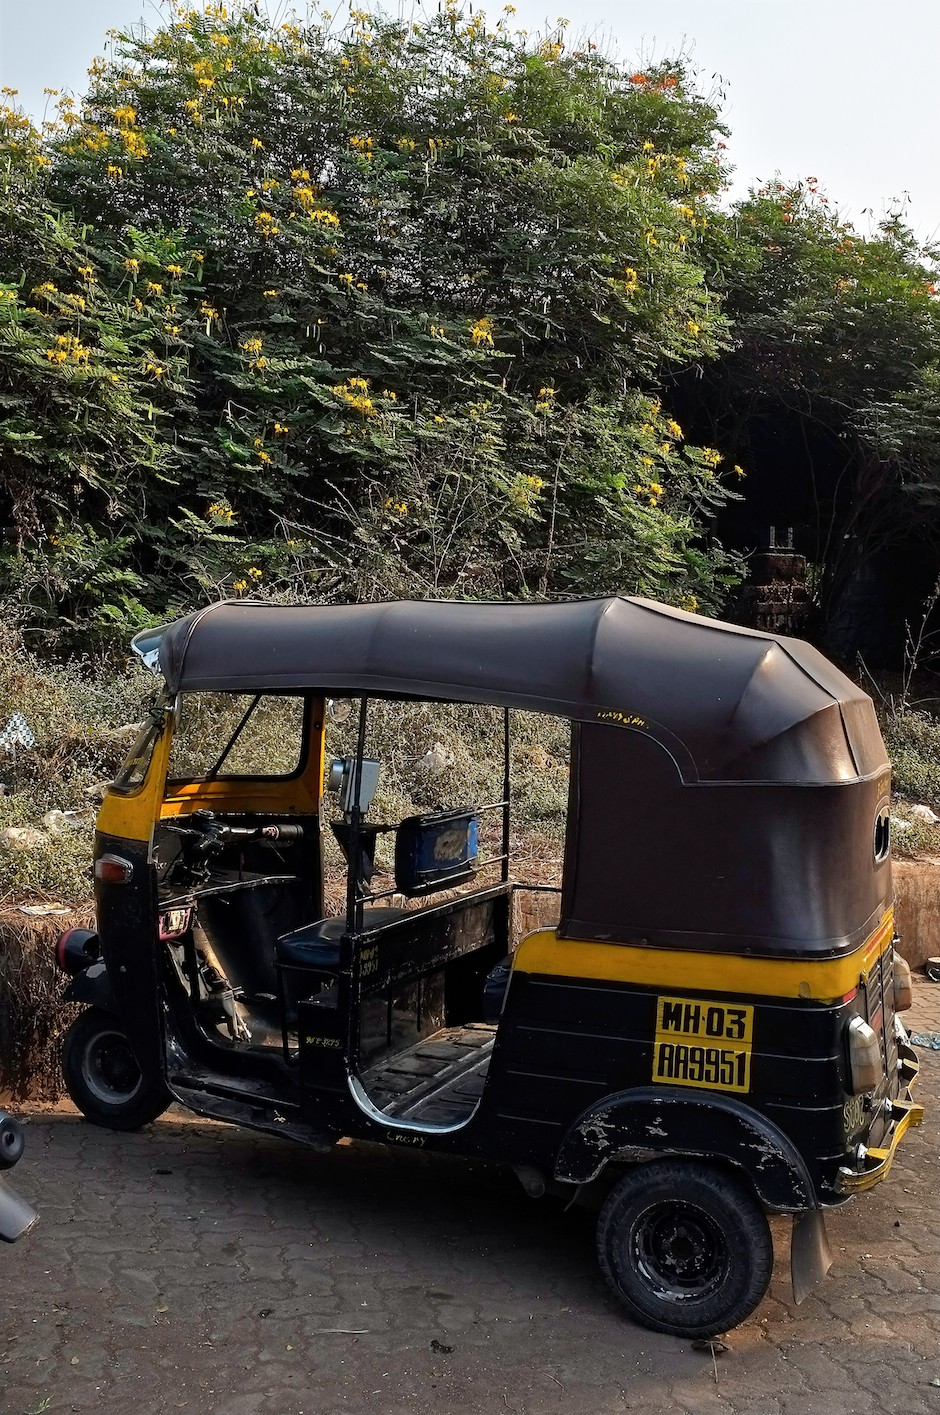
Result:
<point x="16" y="1215"/>
<point x="710" y="1033"/>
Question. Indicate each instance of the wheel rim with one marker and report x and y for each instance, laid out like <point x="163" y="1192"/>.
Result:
<point x="110" y="1070"/>
<point x="679" y="1250"/>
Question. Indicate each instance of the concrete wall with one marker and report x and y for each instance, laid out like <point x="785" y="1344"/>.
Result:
<point x="917" y="908"/>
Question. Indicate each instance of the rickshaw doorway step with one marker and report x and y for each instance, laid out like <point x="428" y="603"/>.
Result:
<point x="438" y="1081"/>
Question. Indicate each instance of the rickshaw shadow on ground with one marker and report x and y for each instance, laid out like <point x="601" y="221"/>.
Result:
<point x="195" y="1266"/>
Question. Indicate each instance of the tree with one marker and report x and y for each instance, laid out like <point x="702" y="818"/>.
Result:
<point x="402" y="298"/>
<point x="828" y="394"/>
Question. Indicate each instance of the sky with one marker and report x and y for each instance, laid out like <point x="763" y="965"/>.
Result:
<point x="847" y="91"/>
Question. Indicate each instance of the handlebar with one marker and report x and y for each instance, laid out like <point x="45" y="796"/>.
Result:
<point x="213" y="833"/>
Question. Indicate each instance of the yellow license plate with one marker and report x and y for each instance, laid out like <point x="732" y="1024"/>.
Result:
<point x="703" y="1044"/>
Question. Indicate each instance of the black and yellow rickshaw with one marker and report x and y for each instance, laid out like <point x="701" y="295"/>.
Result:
<point x="709" y="1034"/>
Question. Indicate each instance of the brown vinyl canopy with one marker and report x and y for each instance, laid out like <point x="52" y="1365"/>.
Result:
<point x="728" y="704"/>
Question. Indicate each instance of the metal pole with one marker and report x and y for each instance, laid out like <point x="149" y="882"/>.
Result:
<point x="353" y="897"/>
<point x="506" y="789"/>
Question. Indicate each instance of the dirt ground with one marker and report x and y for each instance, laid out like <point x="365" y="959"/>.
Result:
<point x="200" y="1268"/>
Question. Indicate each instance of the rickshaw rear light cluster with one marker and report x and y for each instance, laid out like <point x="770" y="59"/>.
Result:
<point x="865" y="1063"/>
<point x="113" y="869"/>
<point x="903" y="983"/>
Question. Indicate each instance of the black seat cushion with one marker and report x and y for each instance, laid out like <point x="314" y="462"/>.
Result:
<point x="317" y="945"/>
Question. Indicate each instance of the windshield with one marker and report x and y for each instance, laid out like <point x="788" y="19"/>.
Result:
<point x="137" y="761"/>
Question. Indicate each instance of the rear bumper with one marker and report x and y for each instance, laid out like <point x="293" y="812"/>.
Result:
<point x="875" y="1164"/>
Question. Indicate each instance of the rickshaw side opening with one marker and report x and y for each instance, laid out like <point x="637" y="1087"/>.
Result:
<point x="711" y="1029"/>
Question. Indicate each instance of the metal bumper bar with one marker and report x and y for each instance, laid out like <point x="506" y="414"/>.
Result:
<point x="877" y="1161"/>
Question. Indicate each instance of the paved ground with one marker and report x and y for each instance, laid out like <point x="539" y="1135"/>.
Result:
<point x="197" y="1268"/>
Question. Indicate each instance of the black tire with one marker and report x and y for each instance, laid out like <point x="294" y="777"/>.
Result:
<point x="685" y="1246"/>
<point x="102" y="1075"/>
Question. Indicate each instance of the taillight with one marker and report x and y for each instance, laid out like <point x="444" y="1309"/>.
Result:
<point x="903" y="983"/>
<point x="864" y="1057"/>
<point x="113" y="869"/>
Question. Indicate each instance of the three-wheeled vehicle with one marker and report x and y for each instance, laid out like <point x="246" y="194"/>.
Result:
<point x="708" y="1035"/>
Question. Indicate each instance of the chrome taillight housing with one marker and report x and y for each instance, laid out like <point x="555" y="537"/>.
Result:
<point x="113" y="869"/>
<point x="903" y="983"/>
<point x="865" y="1065"/>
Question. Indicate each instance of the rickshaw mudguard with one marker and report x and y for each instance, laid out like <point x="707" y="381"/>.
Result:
<point x="93" y="986"/>
<point x="646" y="1124"/>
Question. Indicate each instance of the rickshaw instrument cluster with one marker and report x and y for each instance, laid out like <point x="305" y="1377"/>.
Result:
<point x="709" y="1034"/>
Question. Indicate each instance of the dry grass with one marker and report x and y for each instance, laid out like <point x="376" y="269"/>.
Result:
<point x="32" y="1014"/>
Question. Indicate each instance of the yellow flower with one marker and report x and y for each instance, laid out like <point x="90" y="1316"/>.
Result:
<point x="254" y="572"/>
<point x="673" y="428"/>
<point x="256" y="144"/>
<point x="269" y="294"/>
<point x="345" y="278"/>
<point x="481" y="332"/>
<point x="390" y="394"/>
<point x="692" y="327"/>
<point x="511" y="117"/>
<point x="240" y="586"/>
<point x="263" y="457"/>
<point x="739" y="471"/>
<point x="252" y="346"/>
<point x="266" y="224"/>
<point x="153" y="288"/>
<point x="176" y="271"/>
<point x="173" y="330"/>
<point x="132" y="265"/>
<point x="281" y="429"/>
<point x="689" y="603"/>
<point x="115" y="172"/>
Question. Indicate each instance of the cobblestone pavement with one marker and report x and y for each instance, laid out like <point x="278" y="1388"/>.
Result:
<point x="197" y="1267"/>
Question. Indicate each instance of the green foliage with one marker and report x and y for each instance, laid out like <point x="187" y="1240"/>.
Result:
<point x="829" y="394"/>
<point x="358" y="311"/>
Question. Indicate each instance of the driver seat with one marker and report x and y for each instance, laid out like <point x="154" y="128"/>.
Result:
<point x="317" y="945"/>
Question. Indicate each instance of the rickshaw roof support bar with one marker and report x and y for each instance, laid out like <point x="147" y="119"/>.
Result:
<point x="506" y="789"/>
<point x="354" y="896"/>
<point x="220" y="762"/>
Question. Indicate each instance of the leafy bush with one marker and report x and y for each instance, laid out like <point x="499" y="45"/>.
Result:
<point x="353" y="312"/>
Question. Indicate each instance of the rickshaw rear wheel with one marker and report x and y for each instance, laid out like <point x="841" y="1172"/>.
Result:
<point x="685" y="1246"/>
<point x="102" y="1075"/>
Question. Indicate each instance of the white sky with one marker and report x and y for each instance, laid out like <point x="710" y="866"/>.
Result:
<point x="844" y="90"/>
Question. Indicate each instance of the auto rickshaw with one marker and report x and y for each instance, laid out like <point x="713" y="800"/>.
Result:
<point x="707" y="1036"/>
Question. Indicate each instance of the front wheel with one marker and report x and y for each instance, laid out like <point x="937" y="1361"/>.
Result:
<point x="102" y="1075"/>
<point x="685" y="1246"/>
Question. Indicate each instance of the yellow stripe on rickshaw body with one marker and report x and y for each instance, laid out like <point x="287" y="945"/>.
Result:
<point x="822" y="980"/>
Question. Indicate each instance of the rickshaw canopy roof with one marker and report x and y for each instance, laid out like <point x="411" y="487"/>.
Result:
<point x="728" y="703"/>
